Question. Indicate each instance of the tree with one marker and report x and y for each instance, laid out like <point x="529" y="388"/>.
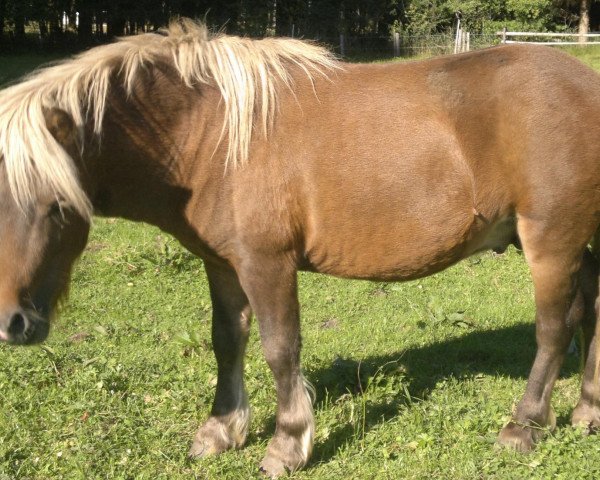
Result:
<point x="2" y="18"/>
<point x="584" y="20"/>
<point x="19" y="11"/>
<point x="430" y="16"/>
<point x="86" y="9"/>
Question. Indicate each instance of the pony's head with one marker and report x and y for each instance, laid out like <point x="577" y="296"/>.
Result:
<point x="47" y="119"/>
<point x="41" y="235"/>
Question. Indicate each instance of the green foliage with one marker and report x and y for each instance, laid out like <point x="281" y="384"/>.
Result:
<point x="429" y="16"/>
<point x="321" y="19"/>
<point x="534" y="15"/>
<point x="481" y="16"/>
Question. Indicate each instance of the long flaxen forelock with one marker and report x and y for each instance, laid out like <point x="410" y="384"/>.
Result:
<point x="248" y="74"/>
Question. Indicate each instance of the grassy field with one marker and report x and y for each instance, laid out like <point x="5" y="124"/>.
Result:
<point x="413" y="380"/>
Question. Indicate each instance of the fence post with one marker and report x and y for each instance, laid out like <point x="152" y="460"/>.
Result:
<point x="457" y="39"/>
<point x="468" y="41"/>
<point x="342" y="45"/>
<point x="504" y="35"/>
<point x="396" y="44"/>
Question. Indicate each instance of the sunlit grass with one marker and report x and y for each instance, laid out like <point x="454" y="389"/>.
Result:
<point x="588" y="54"/>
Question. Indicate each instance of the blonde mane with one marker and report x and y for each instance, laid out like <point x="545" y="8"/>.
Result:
<point x="246" y="72"/>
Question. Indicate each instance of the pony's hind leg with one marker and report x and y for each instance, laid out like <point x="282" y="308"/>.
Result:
<point x="228" y="423"/>
<point x="587" y="411"/>
<point x="271" y="286"/>
<point x="554" y="255"/>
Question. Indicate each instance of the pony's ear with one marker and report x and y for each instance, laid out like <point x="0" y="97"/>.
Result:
<point x="61" y="125"/>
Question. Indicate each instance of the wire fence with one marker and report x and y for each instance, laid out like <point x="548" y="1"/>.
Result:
<point x="349" y="47"/>
<point x="382" y="47"/>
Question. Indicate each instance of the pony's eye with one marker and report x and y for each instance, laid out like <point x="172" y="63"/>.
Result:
<point x="55" y="210"/>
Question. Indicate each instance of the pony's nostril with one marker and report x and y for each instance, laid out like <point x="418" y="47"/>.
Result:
<point x="17" y="325"/>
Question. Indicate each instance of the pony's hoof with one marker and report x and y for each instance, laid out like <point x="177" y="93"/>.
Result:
<point x="212" y="438"/>
<point x="203" y="448"/>
<point x="521" y="438"/>
<point x="284" y="454"/>
<point x="586" y="416"/>
<point x="272" y="467"/>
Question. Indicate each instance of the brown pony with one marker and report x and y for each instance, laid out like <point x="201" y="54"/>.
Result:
<point x="268" y="157"/>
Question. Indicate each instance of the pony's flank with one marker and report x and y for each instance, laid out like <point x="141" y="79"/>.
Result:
<point x="248" y="74"/>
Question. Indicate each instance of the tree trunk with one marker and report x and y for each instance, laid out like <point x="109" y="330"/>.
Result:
<point x="43" y="28"/>
<point x="84" y="30"/>
<point x="2" y="17"/>
<point x="584" y="20"/>
<point x="116" y="26"/>
<point x="20" y="27"/>
<point x="56" y="31"/>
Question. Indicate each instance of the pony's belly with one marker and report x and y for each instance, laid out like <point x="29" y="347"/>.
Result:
<point x="391" y="257"/>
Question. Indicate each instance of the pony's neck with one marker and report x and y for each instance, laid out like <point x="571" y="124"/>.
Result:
<point x="155" y="157"/>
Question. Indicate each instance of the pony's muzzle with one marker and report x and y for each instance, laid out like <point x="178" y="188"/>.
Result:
<point x="22" y="327"/>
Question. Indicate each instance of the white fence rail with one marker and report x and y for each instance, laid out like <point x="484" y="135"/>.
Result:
<point x="553" y="38"/>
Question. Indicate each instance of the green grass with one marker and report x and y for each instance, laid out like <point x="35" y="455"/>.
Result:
<point x="14" y="66"/>
<point x="413" y="380"/>
<point x="590" y="55"/>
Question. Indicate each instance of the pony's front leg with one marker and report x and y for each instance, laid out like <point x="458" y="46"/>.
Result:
<point x="272" y="289"/>
<point x="228" y="423"/>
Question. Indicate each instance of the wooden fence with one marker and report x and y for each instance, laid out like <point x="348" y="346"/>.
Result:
<point x="462" y="41"/>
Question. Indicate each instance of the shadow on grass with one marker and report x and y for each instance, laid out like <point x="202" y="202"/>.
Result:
<point x="507" y="352"/>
